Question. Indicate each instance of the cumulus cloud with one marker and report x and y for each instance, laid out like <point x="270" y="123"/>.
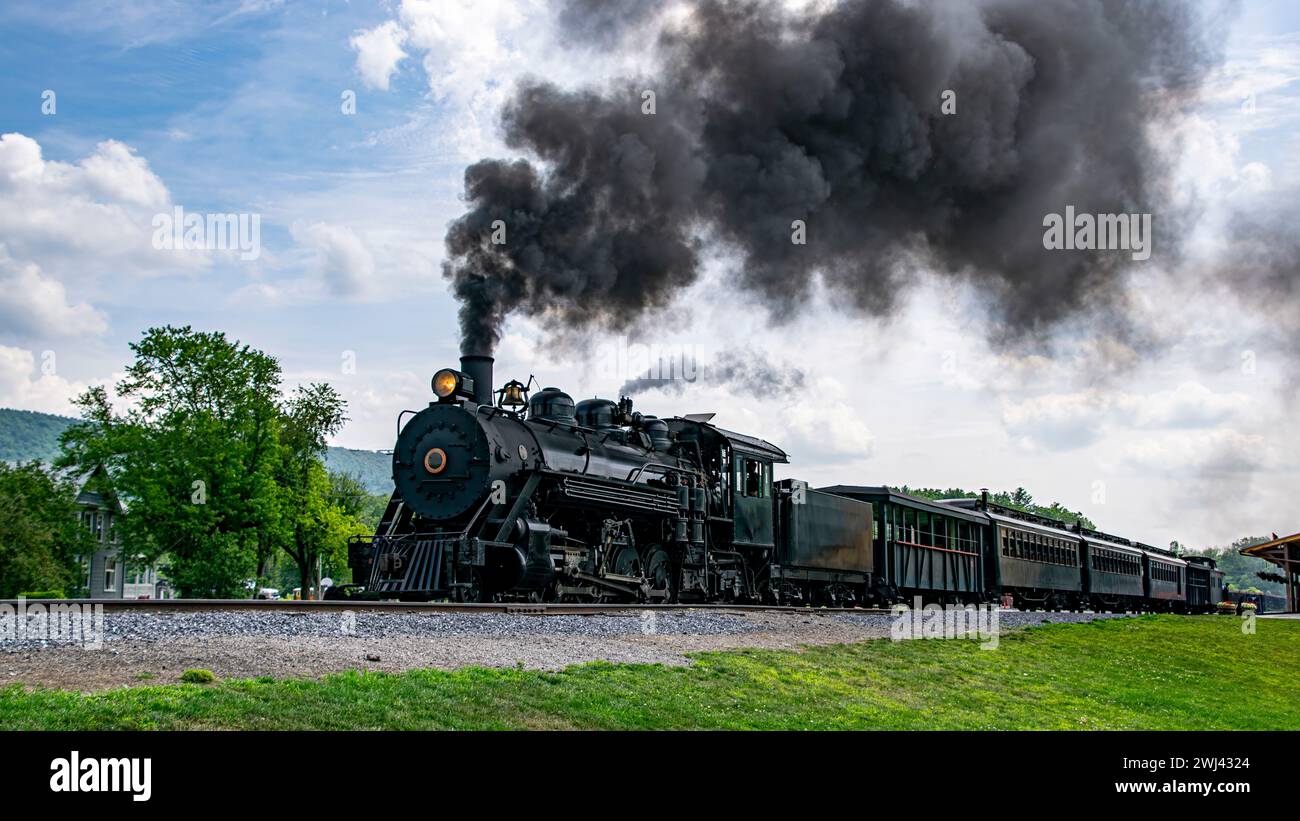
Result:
<point x="343" y="261"/>
<point x="33" y="304"/>
<point x="336" y="263"/>
<point x="64" y="225"/>
<point x="825" y="433"/>
<point x="114" y="171"/>
<point x="1190" y="405"/>
<point x="24" y="384"/>
<point x="374" y="396"/>
<point x="1064" y="421"/>
<point x="93" y="215"/>
<point x="472" y="53"/>
<point x="379" y="51"/>
<point x="1203" y="454"/>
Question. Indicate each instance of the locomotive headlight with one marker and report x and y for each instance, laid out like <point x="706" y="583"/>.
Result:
<point x="445" y="383"/>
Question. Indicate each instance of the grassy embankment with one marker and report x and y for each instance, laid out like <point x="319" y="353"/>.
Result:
<point x="1151" y="673"/>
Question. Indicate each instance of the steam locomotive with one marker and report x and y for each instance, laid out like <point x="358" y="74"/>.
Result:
<point x="523" y="495"/>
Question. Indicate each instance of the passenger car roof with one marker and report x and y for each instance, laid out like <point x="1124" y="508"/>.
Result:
<point x="1032" y="524"/>
<point x="883" y="493"/>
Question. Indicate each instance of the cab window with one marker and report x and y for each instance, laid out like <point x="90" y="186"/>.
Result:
<point x="753" y="477"/>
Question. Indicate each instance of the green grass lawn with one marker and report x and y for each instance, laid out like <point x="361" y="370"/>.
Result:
<point x="1156" y="672"/>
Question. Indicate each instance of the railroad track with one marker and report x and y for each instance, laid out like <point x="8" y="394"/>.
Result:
<point x="517" y="608"/>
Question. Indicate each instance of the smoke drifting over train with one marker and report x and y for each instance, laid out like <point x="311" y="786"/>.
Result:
<point x="834" y="117"/>
<point x="728" y="368"/>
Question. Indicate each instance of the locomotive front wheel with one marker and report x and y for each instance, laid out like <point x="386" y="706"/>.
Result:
<point x="659" y="570"/>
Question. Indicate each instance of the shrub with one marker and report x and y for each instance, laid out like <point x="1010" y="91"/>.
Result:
<point x="43" y="594"/>
<point x="198" y="677"/>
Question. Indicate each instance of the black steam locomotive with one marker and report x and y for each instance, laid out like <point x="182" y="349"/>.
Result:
<point x="503" y="495"/>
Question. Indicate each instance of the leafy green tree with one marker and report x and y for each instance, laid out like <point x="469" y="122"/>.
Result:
<point x="40" y="536"/>
<point x="1242" y="572"/>
<point x="195" y="453"/>
<point x="350" y="492"/>
<point x="318" y="509"/>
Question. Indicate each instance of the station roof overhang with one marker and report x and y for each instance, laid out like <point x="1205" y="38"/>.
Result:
<point x="1277" y="550"/>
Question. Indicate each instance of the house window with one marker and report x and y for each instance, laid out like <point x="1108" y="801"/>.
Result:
<point x="110" y="574"/>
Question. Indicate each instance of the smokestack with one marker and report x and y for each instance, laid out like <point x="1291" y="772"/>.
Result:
<point x="479" y="368"/>
<point x="984" y="498"/>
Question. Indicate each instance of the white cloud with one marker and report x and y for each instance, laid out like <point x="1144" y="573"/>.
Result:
<point x="473" y="52"/>
<point x="23" y="385"/>
<point x="67" y="228"/>
<point x="343" y="261"/>
<point x="1254" y="89"/>
<point x="1190" y="405"/>
<point x="379" y="50"/>
<point x="97" y="211"/>
<point x="337" y="264"/>
<point x="1063" y="421"/>
<point x="1204" y="454"/>
<point x="826" y="432"/>
<point x="374" y="399"/>
<point x="114" y="171"/>
<point x="34" y="305"/>
<point x="1057" y="421"/>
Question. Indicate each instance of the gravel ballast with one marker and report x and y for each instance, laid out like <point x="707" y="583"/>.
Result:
<point x="152" y="647"/>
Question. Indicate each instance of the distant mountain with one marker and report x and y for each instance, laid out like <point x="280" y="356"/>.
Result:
<point x="370" y="467"/>
<point x="27" y="435"/>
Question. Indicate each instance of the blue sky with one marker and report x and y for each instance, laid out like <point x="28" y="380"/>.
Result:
<point x="235" y="113"/>
<point x="235" y="107"/>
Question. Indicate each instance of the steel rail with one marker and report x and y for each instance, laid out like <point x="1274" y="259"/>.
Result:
<point x="334" y="606"/>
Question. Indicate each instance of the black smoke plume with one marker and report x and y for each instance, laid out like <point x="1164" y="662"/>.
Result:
<point x="833" y="117"/>
<point x="742" y="369"/>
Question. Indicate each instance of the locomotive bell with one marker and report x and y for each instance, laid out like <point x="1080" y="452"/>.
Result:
<point x="512" y="395"/>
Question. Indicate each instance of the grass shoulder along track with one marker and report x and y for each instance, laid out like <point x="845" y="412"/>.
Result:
<point x="1153" y="672"/>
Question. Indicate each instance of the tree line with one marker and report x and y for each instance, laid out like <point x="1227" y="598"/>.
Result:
<point x="1018" y="499"/>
